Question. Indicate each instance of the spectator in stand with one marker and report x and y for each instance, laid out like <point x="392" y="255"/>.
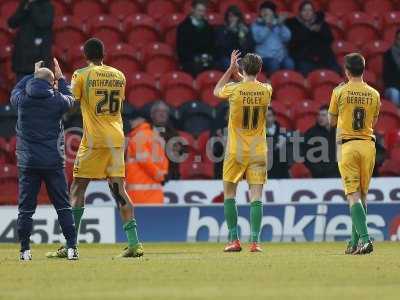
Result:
<point x="391" y="71"/>
<point x="321" y="163"/>
<point x="160" y="120"/>
<point x="195" y="40"/>
<point x="311" y="41"/>
<point x="33" y="42"/>
<point x="234" y="34"/>
<point x="271" y="36"/>
<point x="146" y="165"/>
<point x="277" y="147"/>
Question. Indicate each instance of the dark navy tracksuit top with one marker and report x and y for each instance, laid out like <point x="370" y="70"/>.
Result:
<point x="40" y="133"/>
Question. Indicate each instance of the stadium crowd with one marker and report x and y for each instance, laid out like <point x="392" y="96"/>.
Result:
<point x="172" y="53"/>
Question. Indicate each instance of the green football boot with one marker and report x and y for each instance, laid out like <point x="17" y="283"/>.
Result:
<point x="135" y="251"/>
<point x="62" y="252"/>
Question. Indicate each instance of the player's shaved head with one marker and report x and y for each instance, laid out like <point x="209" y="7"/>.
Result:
<point x="94" y="50"/>
<point x="354" y="63"/>
<point x="251" y="64"/>
<point x="45" y="74"/>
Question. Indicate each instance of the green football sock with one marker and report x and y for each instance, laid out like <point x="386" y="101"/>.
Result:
<point x="77" y="213"/>
<point x="231" y="216"/>
<point x="131" y="233"/>
<point x="354" y="235"/>
<point x="364" y="204"/>
<point x="360" y="221"/>
<point x="255" y="220"/>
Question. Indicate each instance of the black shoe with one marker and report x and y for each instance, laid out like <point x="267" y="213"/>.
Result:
<point x="364" y="248"/>
<point x="351" y="249"/>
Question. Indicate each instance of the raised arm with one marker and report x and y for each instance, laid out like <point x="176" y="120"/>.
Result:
<point x="232" y="71"/>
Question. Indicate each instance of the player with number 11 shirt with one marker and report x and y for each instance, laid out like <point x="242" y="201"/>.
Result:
<point x="246" y="150"/>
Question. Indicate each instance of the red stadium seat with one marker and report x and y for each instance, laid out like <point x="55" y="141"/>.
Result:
<point x="178" y="88"/>
<point x="362" y="28"/>
<point x="4" y="95"/>
<point x="299" y="170"/>
<point x="337" y="26"/>
<point x="126" y="59"/>
<point x="68" y="29"/>
<point x="122" y="8"/>
<point x="190" y="142"/>
<point x="282" y="114"/>
<point x="215" y="19"/>
<point x="9" y="192"/>
<point x="395" y="153"/>
<point x="168" y="27"/>
<point x="392" y="139"/>
<point x="206" y="82"/>
<point x="202" y="142"/>
<point x="250" y="18"/>
<point x="224" y="4"/>
<point x="8" y="184"/>
<point x="342" y="7"/>
<point x="43" y="196"/>
<point x="377" y="7"/>
<point x="105" y="28"/>
<point x="191" y="169"/>
<point x="390" y="168"/>
<point x="159" y="59"/>
<point x="141" y="30"/>
<point x="373" y="52"/>
<point x="342" y="48"/>
<point x="76" y="58"/>
<point x="7" y="150"/>
<point x="160" y="8"/>
<point x="84" y="9"/>
<point x="7" y="8"/>
<point x="388" y="117"/>
<point x="5" y="34"/>
<point x="289" y="86"/>
<point x="305" y="113"/>
<point x="322" y="82"/>
<point x="5" y="63"/>
<point x="142" y="90"/>
<point x="391" y="22"/>
<point x="60" y="8"/>
<point x="371" y="79"/>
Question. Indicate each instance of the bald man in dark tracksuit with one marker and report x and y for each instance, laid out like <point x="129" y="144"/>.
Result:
<point x="40" y="151"/>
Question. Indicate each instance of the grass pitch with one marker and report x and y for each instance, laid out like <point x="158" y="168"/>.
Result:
<point x="203" y="271"/>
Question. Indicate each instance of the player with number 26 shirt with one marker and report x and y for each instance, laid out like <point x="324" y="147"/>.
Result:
<point x="100" y="90"/>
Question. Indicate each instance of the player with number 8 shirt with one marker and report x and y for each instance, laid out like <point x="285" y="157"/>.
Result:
<point x="354" y="109"/>
<point x="100" y="90"/>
